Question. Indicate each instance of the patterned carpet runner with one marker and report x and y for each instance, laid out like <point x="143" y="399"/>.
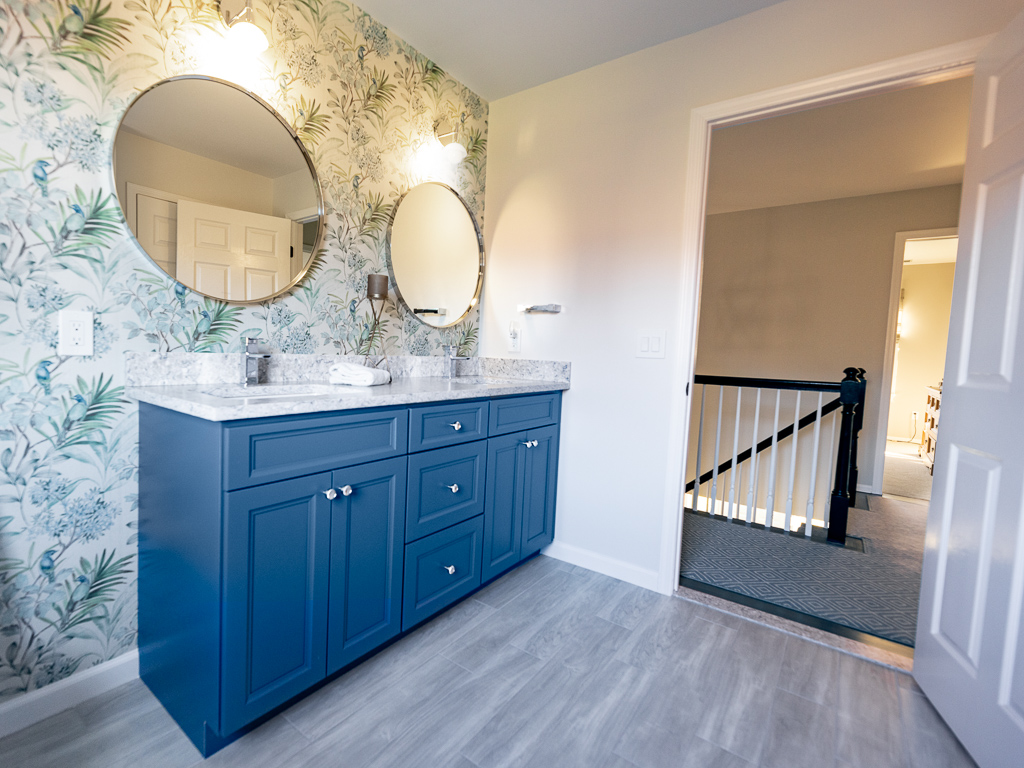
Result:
<point x="875" y="591"/>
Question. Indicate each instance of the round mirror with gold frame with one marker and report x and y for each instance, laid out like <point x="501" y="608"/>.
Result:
<point x="436" y="254"/>
<point x="217" y="189"/>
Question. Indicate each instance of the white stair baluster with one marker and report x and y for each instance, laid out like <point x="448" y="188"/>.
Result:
<point x="752" y="488"/>
<point x="700" y="440"/>
<point x="714" y="466"/>
<point x="735" y="453"/>
<point x="831" y="465"/>
<point x="769" y="515"/>
<point x="814" y="468"/>
<point x="792" y="462"/>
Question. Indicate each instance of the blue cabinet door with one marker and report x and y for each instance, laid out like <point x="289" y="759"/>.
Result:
<point x="367" y="538"/>
<point x="503" y="503"/>
<point x="275" y="595"/>
<point x="541" y="472"/>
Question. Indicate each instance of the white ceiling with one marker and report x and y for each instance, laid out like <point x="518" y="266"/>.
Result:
<point x="498" y="47"/>
<point x="906" y="139"/>
<point x="216" y="121"/>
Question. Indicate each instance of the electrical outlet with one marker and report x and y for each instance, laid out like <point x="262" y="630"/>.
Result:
<point x="74" y="332"/>
<point x="515" y="337"/>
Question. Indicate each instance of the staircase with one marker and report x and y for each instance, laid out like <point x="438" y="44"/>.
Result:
<point x="815" y="452"/>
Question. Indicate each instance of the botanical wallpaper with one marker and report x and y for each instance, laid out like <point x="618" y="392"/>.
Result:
<point x="362" y="101"/>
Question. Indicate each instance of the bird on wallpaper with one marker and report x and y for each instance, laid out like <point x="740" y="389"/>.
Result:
<point x="204" y="325"/>
<point x="361" y="52"/>
<point x="46" y="564"/>
<point x="355" y="181"/>
<point x="41" y="177"/>
<point x="74" y="22"/>
<point x="80" y="592"/>
<point x="74" y="223"/>
<point x="43" y="375"/>
<point x="75" y="413"/>
<point x="180" y="291"/>
<point x="352" y="307"/>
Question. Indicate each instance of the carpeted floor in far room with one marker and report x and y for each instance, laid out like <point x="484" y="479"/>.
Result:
<point x="875" y="591"/>
<point x="906" y="473"/>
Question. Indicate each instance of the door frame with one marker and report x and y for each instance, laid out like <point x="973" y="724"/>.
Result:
<point x="924" y="68"/>
<point x="889" y="361"/>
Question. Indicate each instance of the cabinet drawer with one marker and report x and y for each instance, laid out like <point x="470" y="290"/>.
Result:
<point x="446" y="486"/>
<point x="264" y="450"/>
<point x="440" y="569"/>
<point x="435" y="426"/>
<point x="511" y="414"/>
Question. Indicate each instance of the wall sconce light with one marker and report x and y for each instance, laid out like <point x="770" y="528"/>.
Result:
<point x="243" y="32"/>
<point x="448" y="136"/>
<point x="376" y="290"/>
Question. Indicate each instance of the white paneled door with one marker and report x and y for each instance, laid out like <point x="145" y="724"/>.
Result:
<point x="231" y="254"/>
<point x="969" y="658"/>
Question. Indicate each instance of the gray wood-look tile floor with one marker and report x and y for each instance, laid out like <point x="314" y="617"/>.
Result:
<point x="552" y="665"/>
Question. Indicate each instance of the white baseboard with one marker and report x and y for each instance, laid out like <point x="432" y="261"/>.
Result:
<point x="35" y="706"/>
<point x="609" y="566"/>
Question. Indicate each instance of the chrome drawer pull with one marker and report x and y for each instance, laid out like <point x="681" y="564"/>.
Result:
<point x="450" y="569"/>
<point x="346" y="490"/>
<point x="530" y="443"/>
<point x="331" y="494"/>
<point x="454" y="487"/>
<point x="456" y="426"/>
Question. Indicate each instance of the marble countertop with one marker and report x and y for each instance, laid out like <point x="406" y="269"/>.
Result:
<point x="227" y="402"/>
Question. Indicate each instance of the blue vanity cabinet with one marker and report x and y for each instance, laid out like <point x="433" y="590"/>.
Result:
<point x="367" y="531"/>
<point x="522" y="469"/>
<point x="276" y="559"/>
<point x="275" y="552"/>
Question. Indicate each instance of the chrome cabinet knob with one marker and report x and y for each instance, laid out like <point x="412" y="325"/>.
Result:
<point x="331" y="494"/>
<point x="456" y="426"/>
<point x="454" y="487"/>
<point x="346" y="490"/>
<point x="535" y="443"/>
<point x="528" y="443"/>
<point x="450" y="569"/>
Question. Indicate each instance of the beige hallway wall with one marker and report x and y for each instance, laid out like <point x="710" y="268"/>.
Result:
<point x="928" y="294"/>
<point x="802" y="291"/>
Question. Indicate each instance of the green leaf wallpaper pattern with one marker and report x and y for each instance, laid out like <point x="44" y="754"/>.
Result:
<point x="362" y="101"/>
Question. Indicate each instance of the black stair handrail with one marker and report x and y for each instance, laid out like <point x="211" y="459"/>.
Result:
<point x="740" y="381"/>
<point x="787" y="431"/>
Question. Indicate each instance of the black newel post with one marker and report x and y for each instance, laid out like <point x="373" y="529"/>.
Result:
<point x="849" y="394"/>
<point x="858" y="422"/>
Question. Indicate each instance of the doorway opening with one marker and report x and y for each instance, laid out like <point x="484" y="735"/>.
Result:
<point x="924" y="262"/>
<point x="801" y="213"/>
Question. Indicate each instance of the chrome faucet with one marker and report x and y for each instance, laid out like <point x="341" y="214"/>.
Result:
<point x="251" y="357"/>
<point x="451" y="361"/>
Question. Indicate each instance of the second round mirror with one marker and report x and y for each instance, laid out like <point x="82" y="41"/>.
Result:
<point x="437" y="254"/>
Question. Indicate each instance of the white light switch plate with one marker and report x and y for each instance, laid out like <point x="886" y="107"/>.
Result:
<point x="74" y="332"/>
<point x="651" y="343"/>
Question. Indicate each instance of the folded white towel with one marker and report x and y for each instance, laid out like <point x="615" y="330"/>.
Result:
<point x="357" y="375"/>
